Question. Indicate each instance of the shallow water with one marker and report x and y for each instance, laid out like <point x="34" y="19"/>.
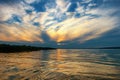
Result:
<point x="61" y="64"/>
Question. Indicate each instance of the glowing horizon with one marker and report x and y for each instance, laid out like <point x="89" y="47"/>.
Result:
<point x="57" y="21"/>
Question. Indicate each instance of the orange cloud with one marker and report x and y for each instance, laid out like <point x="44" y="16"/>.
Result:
<point x="19" y="33"/>
<point x="79" y="28"/>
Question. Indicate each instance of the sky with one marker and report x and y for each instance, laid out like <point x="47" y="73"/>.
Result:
<point x="60" y="23"/>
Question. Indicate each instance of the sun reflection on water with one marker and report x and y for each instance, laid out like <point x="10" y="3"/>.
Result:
<point x="65" y="62"/>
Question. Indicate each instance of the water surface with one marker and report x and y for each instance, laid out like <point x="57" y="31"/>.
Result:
<point x="61" y="64"/>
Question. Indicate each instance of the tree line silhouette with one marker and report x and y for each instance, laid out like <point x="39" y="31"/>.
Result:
<point x="6" y="48"/>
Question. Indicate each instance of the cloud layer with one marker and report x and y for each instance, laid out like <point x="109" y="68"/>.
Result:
<point x="58" y="20"/>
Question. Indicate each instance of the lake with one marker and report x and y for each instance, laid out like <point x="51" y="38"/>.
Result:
<point x="61" y="64"/>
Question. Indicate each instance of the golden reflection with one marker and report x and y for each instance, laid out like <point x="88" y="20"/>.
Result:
<point x="68" y="62"/>
<point x="59" y="55"/>
<point x="22" y="64"/>
<point x="59" y="58"/>
<point x="20" y="60"/>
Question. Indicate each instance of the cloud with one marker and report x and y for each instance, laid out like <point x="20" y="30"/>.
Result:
<point x="18" y="33"/>
<point x="29" y="17"/>
<point x="89" y="20"/>
<point x="32" y="1"/>
<point x="86" y="1"/>
<point x="78" y="29"/>
<point x="63" y="5"/>
<point x="102" y="12"/>
<point x="15" y="9"/>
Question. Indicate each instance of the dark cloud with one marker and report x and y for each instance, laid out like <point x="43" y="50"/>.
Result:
<point x="112" y="3"/>
<point x="9" y="1"/>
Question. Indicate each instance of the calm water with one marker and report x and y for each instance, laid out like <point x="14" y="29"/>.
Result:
<point x="61" y="64"/>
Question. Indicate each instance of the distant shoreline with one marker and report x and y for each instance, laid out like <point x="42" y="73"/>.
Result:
<point x="5" y="48"/>
<point x="93" y="48"/>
